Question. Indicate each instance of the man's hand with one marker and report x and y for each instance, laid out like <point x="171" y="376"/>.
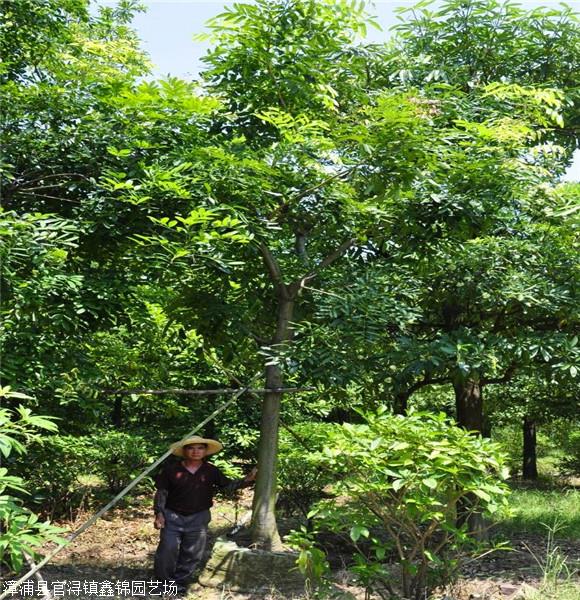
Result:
<point x="159" y="521"/>
<point x="251" y="476"/>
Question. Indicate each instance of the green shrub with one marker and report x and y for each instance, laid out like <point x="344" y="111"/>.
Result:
<point x="300" y="480"/>
<point x="60" y="466"/>
<point x="311" y="561"/>
<point x="398" y="484"/>
<point x="119" y="458"/>
<point x="54" y="470"/>
<point x="21" y="531"/>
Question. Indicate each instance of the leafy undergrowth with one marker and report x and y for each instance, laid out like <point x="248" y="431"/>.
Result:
<point x="120" y="547"/>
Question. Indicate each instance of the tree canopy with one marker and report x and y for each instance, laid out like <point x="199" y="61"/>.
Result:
<point x="370" y="218"/>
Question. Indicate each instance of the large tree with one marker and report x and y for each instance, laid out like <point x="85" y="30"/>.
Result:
<point x="480" y="266"/>
<point x="504" y="275"/>
<point x="486" y="288"/>
<point x="61" y="67"/>
<point x="304" y="168"/>
<point x="321" y="169"/>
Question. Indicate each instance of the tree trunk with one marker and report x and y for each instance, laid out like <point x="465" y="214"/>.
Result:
<point x="469" y="407"/>
<point x="469" y="404"/>
<point x="487" y="428"/>
<point x="530" y="465"/>
<point x="264" y="528"/>
<point x="117" y="414"/>
<point x="401" y="403"/>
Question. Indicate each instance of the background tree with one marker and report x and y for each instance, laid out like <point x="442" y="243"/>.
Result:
<point x="475" y="43"/>
<point x="465" y="45"/>
<point x="536" y="399"/>
<point x="488" y="205"/>
<point x="62" y="68"/>
<point x="475" y="280"/>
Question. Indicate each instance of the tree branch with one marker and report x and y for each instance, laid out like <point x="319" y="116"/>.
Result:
<point x="332" y="257"/>
<point x="25" y="184"/>
<point x="509" y="373"/>
<point x="324" y="182"/>
<point x="273" y="269"/>
<point x="49" y="197"/>
<point x="182" y="392"/>
<point x="284" y="205"/>
<point x="427" y="380"/>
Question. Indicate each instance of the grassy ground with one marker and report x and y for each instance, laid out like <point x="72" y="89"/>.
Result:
<point x="551" y="511"/>
<point x="563" y="591"/>
<point x="533" y="510"/>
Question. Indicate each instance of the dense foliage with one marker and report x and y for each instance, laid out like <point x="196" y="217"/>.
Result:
<point x="22" y="532"/>
<point x="401" y="482"/>
<point x="386" y="222"/>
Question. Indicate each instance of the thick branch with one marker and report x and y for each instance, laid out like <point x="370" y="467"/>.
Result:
<point x="426" y="381"/>
<point x="273" y="269"/>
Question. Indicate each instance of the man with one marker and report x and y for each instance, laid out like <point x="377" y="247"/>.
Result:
<point x="182" y="501"/>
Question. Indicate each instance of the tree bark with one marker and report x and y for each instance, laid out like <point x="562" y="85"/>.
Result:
<point x="530" y="465"/>
<point x="117" y="414"/>
<point x="264" y="528"/>
<point x="469" y="404"/>
<point x="401" y="402"/>
<point x="469" y="408"/>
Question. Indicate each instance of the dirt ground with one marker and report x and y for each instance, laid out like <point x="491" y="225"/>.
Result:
<point x="120" y="547"/>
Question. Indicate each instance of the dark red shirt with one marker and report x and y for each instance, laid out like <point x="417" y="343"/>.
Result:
<point x="191" y="493"/>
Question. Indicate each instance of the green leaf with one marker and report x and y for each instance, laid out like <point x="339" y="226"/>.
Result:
<point x="357" y="531"/>
<point x="398" y="484"/>
<point x="483" y="495"/>
<point x="430" y="482"/>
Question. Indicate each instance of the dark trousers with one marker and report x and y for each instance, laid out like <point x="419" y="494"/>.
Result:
<point x="181" y="546"/>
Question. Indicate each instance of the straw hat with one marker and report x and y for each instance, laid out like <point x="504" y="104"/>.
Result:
<point x="213" y="446"/>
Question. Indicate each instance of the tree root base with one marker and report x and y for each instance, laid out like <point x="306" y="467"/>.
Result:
<point x="240" y="569"/>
